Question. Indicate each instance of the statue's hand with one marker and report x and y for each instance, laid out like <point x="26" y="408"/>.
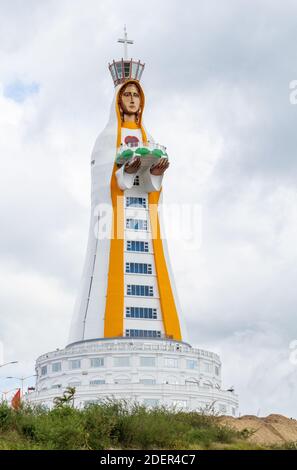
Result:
<point x="133" y="165"/>
<point x="159" y="168"/>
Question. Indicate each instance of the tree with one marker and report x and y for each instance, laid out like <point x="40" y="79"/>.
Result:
<point x="66" y="398"/>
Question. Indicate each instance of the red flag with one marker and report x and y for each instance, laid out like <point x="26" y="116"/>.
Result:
<point x="16" y="400"/>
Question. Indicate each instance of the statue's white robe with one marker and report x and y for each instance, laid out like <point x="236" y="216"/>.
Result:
<point x="89" y="312"/>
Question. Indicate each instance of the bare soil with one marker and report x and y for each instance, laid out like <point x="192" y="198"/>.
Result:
<point x="271" y="430"/>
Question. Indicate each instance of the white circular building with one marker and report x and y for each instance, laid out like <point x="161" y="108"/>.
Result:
<point x="152" y="372"/>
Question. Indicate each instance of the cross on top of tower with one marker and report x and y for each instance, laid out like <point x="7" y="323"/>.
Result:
<point x="125" y="69"/>
<point x="125" y="41"/>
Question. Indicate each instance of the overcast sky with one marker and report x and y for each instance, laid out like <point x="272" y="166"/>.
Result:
<point x="217" y="94"/>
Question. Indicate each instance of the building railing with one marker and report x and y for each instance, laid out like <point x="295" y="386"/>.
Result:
<point x="128" y="344"/>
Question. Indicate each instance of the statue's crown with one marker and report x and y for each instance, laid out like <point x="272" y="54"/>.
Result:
<point x="124" y="70"/>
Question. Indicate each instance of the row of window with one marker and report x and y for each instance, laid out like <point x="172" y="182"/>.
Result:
<point x="138" y="268"/>
<point x="137" y="246"/>
<point x="143" y="291"/>
<point x="133" y="333"/>
<point x="124" y="361"/>
<point x="125" y="69"/>
<point x="132" y="201"/>
<point x="74" y="364"/>
<point x="141" y="312"/>
<point x="125" y="380"/>
<point x="136" y="224"/>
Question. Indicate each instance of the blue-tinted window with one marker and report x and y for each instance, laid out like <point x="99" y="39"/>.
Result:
<point x="136" y="224"/>
<point x="133" y="245"/>
<point x="97" y="382"/>
<point x="143" y="291"/>
<point x="133" y="333"/>
<point x="56" y="366"/>
<point x="74" y="364"/>
<point x="139" y="268"/>
<point x="127" y="69"/>
<point x="141" y="312"/>
<point x="97" y="362"/>
<point x="135" y="201"/>
<point x="119" y="69"/>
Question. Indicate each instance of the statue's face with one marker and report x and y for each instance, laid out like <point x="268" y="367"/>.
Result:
<point x="130" y="100"/>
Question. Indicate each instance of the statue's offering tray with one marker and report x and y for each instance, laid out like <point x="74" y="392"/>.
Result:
<point x="149" y="153"/>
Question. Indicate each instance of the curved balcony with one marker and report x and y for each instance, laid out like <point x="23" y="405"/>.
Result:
<point x="101" y="345"/>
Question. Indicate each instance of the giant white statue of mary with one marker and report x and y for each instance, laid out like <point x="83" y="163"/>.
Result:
<point x="127" y="289"/>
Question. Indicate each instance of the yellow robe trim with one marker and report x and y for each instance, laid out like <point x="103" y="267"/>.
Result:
<point x="168" y="307"/>
<point x="130" y="125"/>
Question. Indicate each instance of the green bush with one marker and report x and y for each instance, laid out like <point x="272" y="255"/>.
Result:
<point x="112" y="424"/>
<point x="6" y="416"/>
<point x="99" y="424"/>
<point x="61" y="429"/>
<point x="144" y="428"/>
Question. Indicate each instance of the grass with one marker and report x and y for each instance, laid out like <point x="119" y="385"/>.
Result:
<point x="114" y="425"/>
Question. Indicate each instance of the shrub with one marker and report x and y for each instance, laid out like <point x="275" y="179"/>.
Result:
<point x="99" y="423"/>
<point x="6" y="416"/>
<point x="61" y="429"/>
<point x="112" y="424"/>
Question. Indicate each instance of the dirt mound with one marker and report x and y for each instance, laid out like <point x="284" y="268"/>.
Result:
<point x="271" y="430"/>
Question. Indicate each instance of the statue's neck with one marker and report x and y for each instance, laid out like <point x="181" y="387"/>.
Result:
<point x="129" y="118"/>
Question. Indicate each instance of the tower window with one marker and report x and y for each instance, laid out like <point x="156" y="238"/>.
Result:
<point x="143" y="291"/>
<point x="141" y="312"/>
<point x="136" y="180"/>
<point x="136" y="224"/>
<point x="147" y="361"/>
<point x="121" y="361"/>
<point x="192" y="364"/>
<point x="74" y="364"/>
<point x="133" y="245"/>
<point x="56" y="366"/>
<point x="135" y="201"/>
<point x="127" y="69"/>
<point x="97" y="382"/>
<point x="138" y="268"/>
<point x="132" y="333"/>
<point x="119" y="69"/>
<point x="97" y="362"/>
